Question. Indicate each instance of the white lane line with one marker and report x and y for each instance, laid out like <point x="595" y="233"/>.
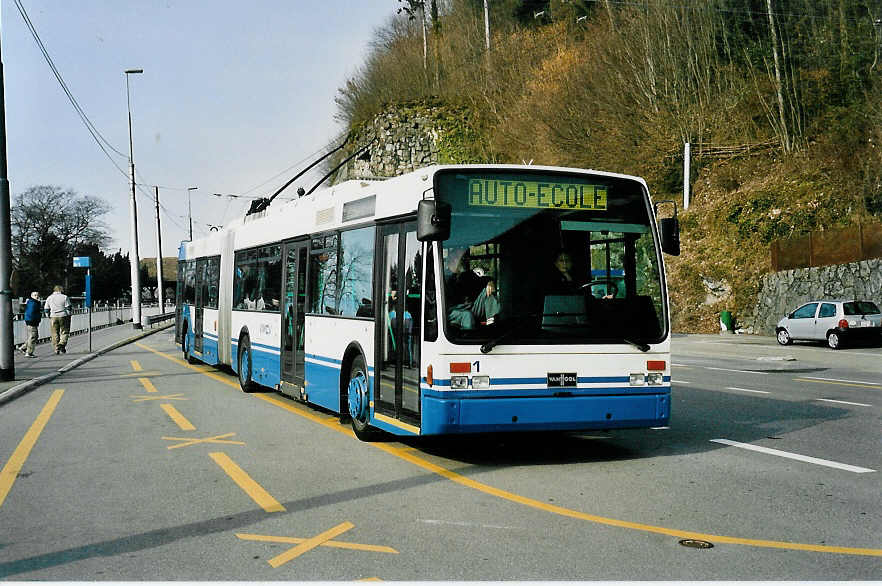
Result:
<point x="680" y="382"/>
<point x="748" y="390"/>
<point x="792" y="456"/>
<point x="731" y="370"/>
<point x="845" y="402"/>
<point x="841" y="380"/>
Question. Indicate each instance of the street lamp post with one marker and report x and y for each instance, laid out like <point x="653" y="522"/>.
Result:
<point x="133" y="213"/>
<point x="190" y="211"/>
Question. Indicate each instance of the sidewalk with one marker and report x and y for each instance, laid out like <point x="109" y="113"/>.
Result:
<point x="30" y="373"/>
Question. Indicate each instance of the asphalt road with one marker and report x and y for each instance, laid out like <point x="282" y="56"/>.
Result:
<point x="138" y="466"/>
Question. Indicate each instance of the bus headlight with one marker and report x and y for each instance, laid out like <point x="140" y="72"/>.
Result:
<point x="458" y="383"/>
<point x="481" y="381"/>
<point x="637" y="379"/>
<point x="655" y="378"/>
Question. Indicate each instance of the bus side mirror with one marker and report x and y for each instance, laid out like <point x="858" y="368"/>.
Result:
<point x="669" y="230"/>
<point x="433" y="220"/>
<point x="670" y="235"/>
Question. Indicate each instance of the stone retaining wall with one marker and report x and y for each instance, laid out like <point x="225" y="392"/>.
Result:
<point x="783" y="291"/>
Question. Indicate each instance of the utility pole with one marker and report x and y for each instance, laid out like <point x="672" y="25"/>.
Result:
<point x="133" y="215"/>
<point x="7" y="352"/>
<point x="686" y="174"/>
<point x="159" y="289"/>
<point x="486" y="26"/>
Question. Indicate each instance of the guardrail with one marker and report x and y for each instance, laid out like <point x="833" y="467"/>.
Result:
<point x="149" y="320"/>
<point x="79" y="321"/>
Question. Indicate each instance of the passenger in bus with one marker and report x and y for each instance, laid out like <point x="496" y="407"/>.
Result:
<point x="469" y="300"/>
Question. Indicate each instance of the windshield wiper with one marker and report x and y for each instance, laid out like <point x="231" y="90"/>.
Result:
<point x="487" y="347"/>
<point x="639" y="345"/>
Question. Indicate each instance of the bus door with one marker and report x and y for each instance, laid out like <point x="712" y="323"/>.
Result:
<point x="201" y="265"/>
<point x="293" y="309"/>
<point x="397" y="382"/>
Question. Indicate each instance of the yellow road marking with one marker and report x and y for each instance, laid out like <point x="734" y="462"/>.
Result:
<point x="145" y="382"/>
<point x="142" y="398"/>
<point x="136" y="366"/>
<point x="257" y="493"/>
<point x="830" y="382"/>
<point x="20" y="455"/>
<point x="188" y="441"/>
<point x="309" y="544"/>
<point x="333" y="423"/>
<point x="176" y="416"/>
<point x="331" y="543"/>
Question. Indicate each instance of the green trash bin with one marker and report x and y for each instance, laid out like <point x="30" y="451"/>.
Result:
<point x="727" y="322"/>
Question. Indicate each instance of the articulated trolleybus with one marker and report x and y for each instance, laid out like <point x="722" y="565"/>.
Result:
<point x="453" y="299"/>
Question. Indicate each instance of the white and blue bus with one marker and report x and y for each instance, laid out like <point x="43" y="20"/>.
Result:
<point x="429" y="303"/>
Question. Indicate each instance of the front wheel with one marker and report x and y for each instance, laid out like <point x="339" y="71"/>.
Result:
<point x="358" y="391"/>
<point x="784" y="338"/>
<point x="833" y="340"/>
<point x="246" y="366"/>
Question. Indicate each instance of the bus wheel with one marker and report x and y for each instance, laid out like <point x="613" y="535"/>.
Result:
<point x="246" y="365"/>
<point x="359" y="402"/>
<point x="185" y="345"/>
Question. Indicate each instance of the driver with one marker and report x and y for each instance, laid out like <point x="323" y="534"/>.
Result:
<point x="562" y="279"/>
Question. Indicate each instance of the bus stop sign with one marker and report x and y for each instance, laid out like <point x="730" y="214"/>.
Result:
<point x="82" y="262"/>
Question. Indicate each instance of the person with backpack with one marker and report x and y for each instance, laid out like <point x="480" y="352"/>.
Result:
<point x="33" y="314"/>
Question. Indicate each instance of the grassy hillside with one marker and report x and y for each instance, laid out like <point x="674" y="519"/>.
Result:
<point x="781" y="108"/>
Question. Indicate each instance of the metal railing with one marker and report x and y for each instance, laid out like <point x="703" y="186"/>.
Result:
<point x="101" y="318"/>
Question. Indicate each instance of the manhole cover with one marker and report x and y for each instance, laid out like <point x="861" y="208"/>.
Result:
<point x="696" y="543"/>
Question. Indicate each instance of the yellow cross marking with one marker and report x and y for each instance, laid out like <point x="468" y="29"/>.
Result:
<point x="189" y="441"/>
<point x="142" y="398"/>
<point x="141" y="373"/>
<point x="303" y="545"/>
<point x="135" y="365"/>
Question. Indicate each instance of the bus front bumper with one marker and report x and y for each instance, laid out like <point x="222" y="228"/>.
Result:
<point x="572" y="413"/>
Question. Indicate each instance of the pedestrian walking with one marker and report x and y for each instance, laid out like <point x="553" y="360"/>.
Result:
<point x="33" y="314"/>
<point x="59" y="313"/>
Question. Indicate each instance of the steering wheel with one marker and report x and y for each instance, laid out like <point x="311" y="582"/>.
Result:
<point x="611" y="288"/>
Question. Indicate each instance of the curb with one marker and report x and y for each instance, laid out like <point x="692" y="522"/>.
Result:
<point x="27" y="386"/>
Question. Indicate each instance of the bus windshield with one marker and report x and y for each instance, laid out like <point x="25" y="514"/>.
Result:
<point x="545" y="258"/>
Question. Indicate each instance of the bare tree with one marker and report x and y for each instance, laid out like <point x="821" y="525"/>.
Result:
<point x="48" y="225"/>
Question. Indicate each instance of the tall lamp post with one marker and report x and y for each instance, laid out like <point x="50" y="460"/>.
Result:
<point x="7" y="358"/>
<point x="133" y="213"/>
<point x="190" y="211"/>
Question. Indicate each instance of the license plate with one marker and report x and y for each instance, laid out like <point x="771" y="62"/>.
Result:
<point x="562" y="379"/>
<point x="866" y="323"/>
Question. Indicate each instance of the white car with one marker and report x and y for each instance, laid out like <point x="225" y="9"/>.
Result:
<point x="835" y="321"/>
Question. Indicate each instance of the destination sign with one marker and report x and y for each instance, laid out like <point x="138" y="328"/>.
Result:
<point x="499" y="193"/>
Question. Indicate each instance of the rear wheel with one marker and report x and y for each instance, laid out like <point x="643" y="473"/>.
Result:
<point x="358" y="392"/>
<point x="833" y="340"/>
<point x="246" y="365"/>
<point x="784" y="338"/>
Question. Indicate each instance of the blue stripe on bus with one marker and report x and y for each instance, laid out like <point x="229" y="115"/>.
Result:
<point x="445" y="382"/>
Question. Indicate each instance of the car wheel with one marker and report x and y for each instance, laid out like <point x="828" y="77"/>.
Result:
<point x="833" y="340"/>
<point x="246" y="365"/>
<point x="358" y="392"/>
<point x="784" y="338"/>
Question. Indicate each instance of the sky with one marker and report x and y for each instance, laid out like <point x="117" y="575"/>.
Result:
<point x="236" y="97"/>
